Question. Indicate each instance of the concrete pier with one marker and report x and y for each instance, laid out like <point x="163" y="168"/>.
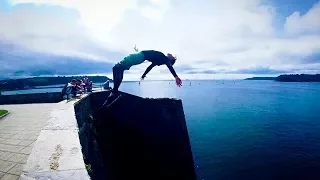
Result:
<point x="145" y="138"/>
<point x="136" y="138"/>
<point x="18" y="132"/>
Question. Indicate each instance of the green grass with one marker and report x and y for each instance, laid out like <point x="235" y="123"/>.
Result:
<point x="2" y="112"/>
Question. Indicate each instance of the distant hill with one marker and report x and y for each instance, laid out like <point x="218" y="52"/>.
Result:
<point x="291" y="78"/>
<point x="12" y="84"/>
<point x="299" y="78"/>
<point x="261" y="78"/>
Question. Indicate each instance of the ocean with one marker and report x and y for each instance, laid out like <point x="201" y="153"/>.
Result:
<point x="247" y="130"/>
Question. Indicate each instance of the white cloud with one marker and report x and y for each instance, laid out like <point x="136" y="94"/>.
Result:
<point x="49" y="32"/>
<point x="240" y="35"/>
<point x="205" y="34"/>
<point x="307" y="23"/>
<point x="94" y="13"/>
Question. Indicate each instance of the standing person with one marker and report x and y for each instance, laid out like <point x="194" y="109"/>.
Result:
<point x="155" y="57"/>
<point x="86" y="80"/>
<point x="80" y="86"/>
<point x="87" y="83"/>
<point x="89" y="88"/>
<point x="106" y="85"/>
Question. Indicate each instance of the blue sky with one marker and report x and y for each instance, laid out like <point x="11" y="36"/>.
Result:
<point x="213" y="39"/>
<point x="287" y="7"/>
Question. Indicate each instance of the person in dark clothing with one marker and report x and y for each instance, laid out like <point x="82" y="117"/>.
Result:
<point x="155" y="57"/>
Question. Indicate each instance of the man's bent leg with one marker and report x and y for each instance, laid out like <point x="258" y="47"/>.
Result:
<point x="125" y="64"/>
<point x="117" y="77"/>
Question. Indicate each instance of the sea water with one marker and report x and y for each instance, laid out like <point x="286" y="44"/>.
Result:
<point x="250" y="130"/>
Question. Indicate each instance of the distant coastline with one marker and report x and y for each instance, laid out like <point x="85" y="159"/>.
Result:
<point x="28" y="83"/>
<point x="291" y="78"/>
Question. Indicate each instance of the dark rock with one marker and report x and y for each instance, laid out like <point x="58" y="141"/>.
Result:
<point x="143" y="138"/>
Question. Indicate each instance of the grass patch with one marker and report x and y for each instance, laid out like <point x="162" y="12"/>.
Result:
<point x="3" y="112"/>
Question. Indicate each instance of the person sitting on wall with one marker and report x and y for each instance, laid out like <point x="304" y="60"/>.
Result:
<point x="80" y="86"/>
<point x="69" y="90"/>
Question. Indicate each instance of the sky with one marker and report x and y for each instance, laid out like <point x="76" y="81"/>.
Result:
<point x="212" y="39"/>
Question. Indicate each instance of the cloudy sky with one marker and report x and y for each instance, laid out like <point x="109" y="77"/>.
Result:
<point x="212" y="39"/>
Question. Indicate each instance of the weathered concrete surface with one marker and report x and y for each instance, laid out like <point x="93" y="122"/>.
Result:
<point x="60" y="118"/>
<point x="59" y="175"/>
<point x="143" y="138"/>
<point x="57" y="151"/>
<point x="52" y="97"/>
<point x="18" y="132"/>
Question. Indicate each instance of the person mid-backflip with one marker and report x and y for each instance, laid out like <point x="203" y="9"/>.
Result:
<point x="155" y="57"/>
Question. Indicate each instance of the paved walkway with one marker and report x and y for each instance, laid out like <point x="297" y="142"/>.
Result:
<point x="18" y="132"/>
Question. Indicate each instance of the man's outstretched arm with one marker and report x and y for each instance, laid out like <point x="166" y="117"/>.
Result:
<point x="147" y="71"/>
<point x="173" y="72"/>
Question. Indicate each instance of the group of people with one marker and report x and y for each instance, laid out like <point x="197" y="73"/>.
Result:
<point x="77" y="86"/>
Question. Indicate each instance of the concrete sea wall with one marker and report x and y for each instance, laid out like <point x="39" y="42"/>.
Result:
<point x="57" y="154"/>
<point x="87" y="135"/>
<point x="52" y="97"/>
<point x="136" y="138"/>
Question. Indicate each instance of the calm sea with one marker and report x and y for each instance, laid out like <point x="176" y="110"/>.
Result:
<point x="247" y="130"/>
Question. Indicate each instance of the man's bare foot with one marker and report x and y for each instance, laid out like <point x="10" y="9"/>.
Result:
<point x="112" y="97"/>
<point x="112" y="94"/>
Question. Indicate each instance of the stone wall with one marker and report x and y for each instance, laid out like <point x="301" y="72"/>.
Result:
<point x="82" y="110"/>
<point x="90" y="147"/>
<point x="52" y="97"/>
<point x="145" y="138"/>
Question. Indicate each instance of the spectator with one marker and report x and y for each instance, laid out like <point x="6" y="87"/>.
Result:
<point x="80" y="86"/>
<point x="70" y="89"/>
<point x="86" y="82"/>
<point x="89" y="87"/>
<point x="106" y="85"/>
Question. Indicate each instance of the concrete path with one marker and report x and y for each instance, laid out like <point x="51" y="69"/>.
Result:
<point x="18" y="132"/>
